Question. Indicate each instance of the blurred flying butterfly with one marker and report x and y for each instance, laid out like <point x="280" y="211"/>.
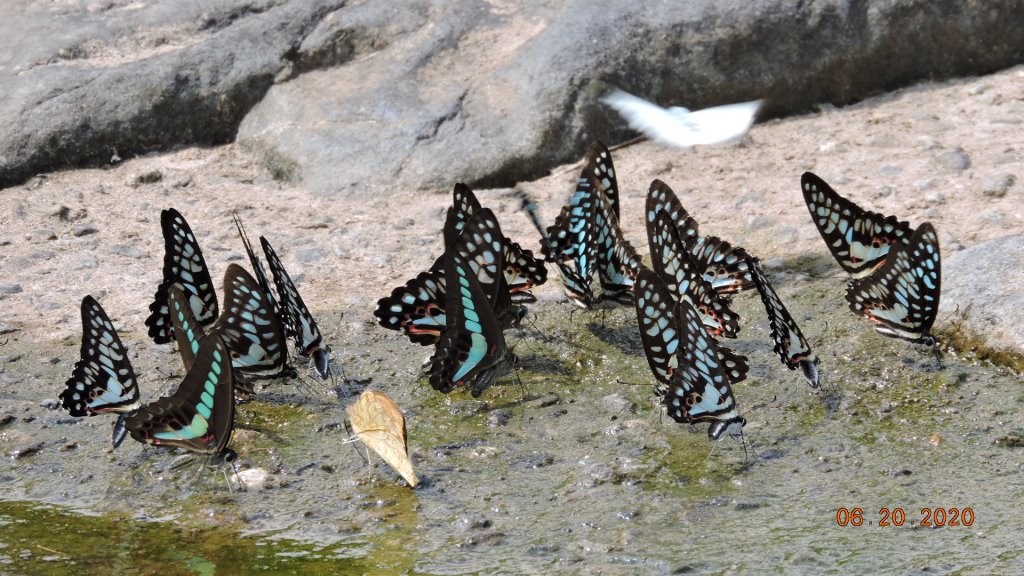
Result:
<point x="680" y="274"/>
<point x="184" y="265"/>
<point x="417" y="308"/>
<point x="103" y="379"/>
<point x="252" y="330"/>
<point x="471" y="352"/>
<point x="790" y="344"/>
<point x="680" y="127"/>
<point x="858" y="239"/>
<point x="723" y="265"/>
<point x="298" y="322"/>
<point x="660" y="333"/>
<point x="199" y="416"/>
<point x="700" y="390"/>
<point x="522" y="270"/>
<point x="902" y="295"/>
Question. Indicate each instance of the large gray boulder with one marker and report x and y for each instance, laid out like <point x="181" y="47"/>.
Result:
<point x="982" y="285"/>
<point x="81" y="81"/>
<point x="492" y="93"/>
<point x="420" y="93"/>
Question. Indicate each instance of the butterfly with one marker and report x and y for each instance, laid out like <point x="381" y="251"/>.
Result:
<point x="790" y="344"/>
<point x="183" y="265"/>
<point x="188" y="332"/>
<point x="599" y="160"/>
<point x="858" y="239"/>
<point x="298" y="322"/>
<point x="103" y="379"/>
<point x="471" y="351"/>
<point x="680" y="127"/>
<point x="723" y="265"/>
<point x="902" y="295"/>
<point x="661" y="333"/>
<point x="677" y="269"/>
<point x="417" y="308"/>
<point x="200" y="415"/>
<point x="522" y="270"/>
<point x="587" y="235"/>
<point x="700" y="390"/>
<point x="252" y="330"/>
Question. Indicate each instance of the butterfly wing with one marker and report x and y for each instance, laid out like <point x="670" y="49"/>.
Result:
<point x="522" y="270"/>
<point x="184" y="265"/>
<point x="599" y="161"/>
<point x="250" y="327"/>
<point x="187" y="330"/>
<point x="674" y="265"/>
<point x="481" y="246"/>
<point x="417" y="307"/>
<point x="790" y="344"/>
<point x="617" y="261"/>
<point x="199" y="416"/>
<point x="254" y="261"/>
<point x="103" y="379"/>
<point x="902" y="295"/>
<point x="298" y="321"/>
<point x="723" y="265"/>
<point x="700" y="389"/>
<point x="858" y="239"/>
<point x="471" y="351"/>
<point x="655" y="313"/>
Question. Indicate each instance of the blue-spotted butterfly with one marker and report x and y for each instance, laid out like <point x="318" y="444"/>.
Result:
<point x="902" y="295"/>
<point x="257" y="264"/>
<point x="252" y="331"/>
<point x="700" y="390"/>
<point x="103" y="380"/>
<point x="200" y="415"/>
<point x="723" y="265"/>
<point x="858" y="239"/>
<point x="790" y="344"/>
<point x="188" y="332"/>
<point x="417" y="308"/>
<point x="599" y="159"/>
<point x="586" y="234"/>
<point x="663" y="337"/>
<point x="522" y="270"/>
<point x="298" y="322"/>
<point x="680" y="273"/>
<point x="471" y="352"/>
<point x="183" y="265"/>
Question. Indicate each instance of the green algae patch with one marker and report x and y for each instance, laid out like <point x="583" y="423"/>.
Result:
<point x="973" y="346"/>
<point x="39" y="539"/>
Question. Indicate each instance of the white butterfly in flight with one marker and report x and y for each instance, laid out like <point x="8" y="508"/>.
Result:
<point x="680" y="127"/>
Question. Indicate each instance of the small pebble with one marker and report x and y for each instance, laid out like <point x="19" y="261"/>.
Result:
<point x="956" y="160"/>
<point x="307" y="255"/>
<point x="182" y="182"/>
<point x="758" y="222"/>
<point x="86" y="261"/>
<point x="22" y="450"/>
<point x="617" y="403"/>
<point x="84" y="229"/>
<point x="499" y="417"/>
<point x="10" y="288"/>
<point x="997" y="186"/>
<point x="128" y="251"/>
<point x="935" y="197"/>
<point x="50" y="403"/>
<point x="150" y="177"/>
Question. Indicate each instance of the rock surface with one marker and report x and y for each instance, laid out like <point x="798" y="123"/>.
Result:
<point x="982" y="284"/>
<point x="413" y="95"/>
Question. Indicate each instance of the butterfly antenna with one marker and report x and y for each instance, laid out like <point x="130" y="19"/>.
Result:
<point x="714" y="446"/>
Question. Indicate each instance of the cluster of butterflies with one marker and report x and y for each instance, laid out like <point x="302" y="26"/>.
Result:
<point x="223" y="352"/>
<point x="479" y="287"/>
<point x="682" y="304"/>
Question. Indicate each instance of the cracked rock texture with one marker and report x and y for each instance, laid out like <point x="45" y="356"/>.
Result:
<point x="343" y="97"/>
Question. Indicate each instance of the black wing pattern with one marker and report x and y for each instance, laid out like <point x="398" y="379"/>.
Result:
<point x="790" y="344"/>
<point x="200" y="415"/>
<point x="723" y="265"/>
<point x="183" y="265"/>
<point x="858" y="239"/>
<point x="298" y="321"/>
<point x="700" y="390"/>
<point x="902" y="295"/>
<point x="681" y="275"/>
<point x="471" y="351"/>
